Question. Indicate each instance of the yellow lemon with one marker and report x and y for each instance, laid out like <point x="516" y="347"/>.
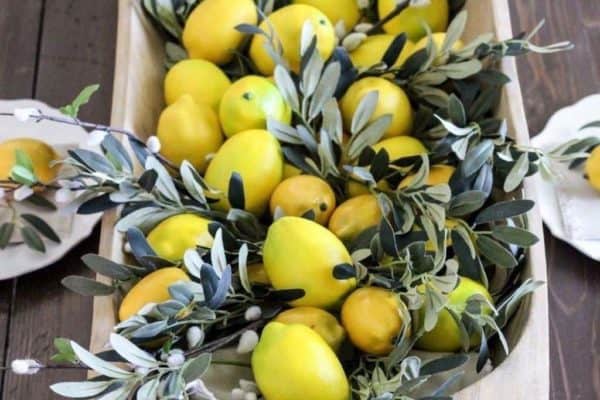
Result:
<point x="299" y="194"/>
<point x="438" y="40"/>
<point x="354" y="216"/>
<point x="392" y="100"/>
<point x="292" y="362"/>
<point x="337" y="10"/>
<point x="256" y="156"/>
<point x="445" y="336"/>
<point x="322" y="322"/>
<point x="173" y="236"/>
<point x="210" y="32"/>
<point x="289" y="170"/>
<point x="189" y="131"/>
<point x="438" y="174"/>
<point x="40" y="154"/>
<point x="401" y="147"/>
<point x="257" y="274"/>
<point x="372" y="317"/>
<point x="249" y="102"/>
<point x="592" y="168"/>
<point x="201" y="79"/>
<point x="411" y="19"/>
<point x="153" y="288"/>
<point x="301" y="254"/>
<point x="372" y="50"/>
<point x="287" y="23"/>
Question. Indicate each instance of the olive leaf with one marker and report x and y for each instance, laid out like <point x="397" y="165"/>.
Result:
<point x="504" y="209"/>
<point x="495" y="253"/>
<point x="513" y="235"/>
<point x="6" y="232"/>
<point x="517" y="173"/>
<point x="364" y="111"/>
<point x="235" y="192"/>
<point x="41" y="226"/>
<point x="86" y="286"/>
<point x="32" y="239"/>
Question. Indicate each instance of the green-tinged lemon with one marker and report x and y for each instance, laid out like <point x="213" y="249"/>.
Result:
<point x="249" y="103"/>
<point x="413" y="19"/>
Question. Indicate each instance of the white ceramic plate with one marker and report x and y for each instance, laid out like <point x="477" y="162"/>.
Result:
<point x="563" y="126"/>
<point x="72" y="229"/>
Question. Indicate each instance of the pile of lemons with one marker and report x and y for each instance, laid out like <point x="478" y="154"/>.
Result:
<point x="220" y="127"/>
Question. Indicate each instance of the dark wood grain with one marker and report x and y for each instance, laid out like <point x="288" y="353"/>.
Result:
<point x="19" y="30"/>
<point x="549" y="83"/>
<point x="76" y="48"/>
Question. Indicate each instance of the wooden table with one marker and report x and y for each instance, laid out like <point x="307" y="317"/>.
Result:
<point x="50" y="49"/>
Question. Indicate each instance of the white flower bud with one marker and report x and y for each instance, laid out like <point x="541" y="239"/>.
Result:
<point x="250" y="396"/>
<point x="22" y="193"/>
<point x="363" y="27"/>
<point x="363" y="4"/>
<point x="237" y="394"/>
<point x="127" y="248"/>
<point x="253" y="313"/>
<point x="353" y="40"/>
<point x="96" y="137"/>
<point x="63" y="196"/>
<point x="248" y="386"/>
<point x="153" y="144"/>
<point x="24" y="114"/>
<point x="248" y="342"/>
<point x="194" y="336"/>
<point x="25" y="367"/>
<point x="198" y="388"/>
<point x="340" y="29"/>
<point x="175" y="359"/>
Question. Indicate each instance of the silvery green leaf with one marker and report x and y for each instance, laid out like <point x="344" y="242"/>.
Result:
<point x="456" y="110"/>
<point x="326" y="155"/>
<point x="443" y="364"/>
<point x="466" y="203"/>
<point x="432" y="95"/>
<point x="369" y="136"/>
<point x="6" y="232"/>
<point x="307" y="138"/>
<point x="325" y="89"/>
<point x="419" y="179"/>
<point x="455" y="30"/>
<point x="131" y="352"/>
<point x="466" y="238"/>
<point x="82" y="98"/>
<point x="120" y="393"/>
<point x="180" y="292"/>
<point x="429" y="78"/>
<point x="513" y="235"/>
<point x="495" y="253"/>
<point x="307" y="35"/>
<point x="243" y="268"/>
<point x="476" y="157"/>
<point x="217" y="254"/>
<point x="460" y="147"/>
<point x="504" y="209"/>
<point x="453" y="129"/>
<point x="364" y="111"/>
<point x="196" y="367"/>
<point x="511" y="304"/>
<point x="193" y="262"/>
<point x="99" y="365"/>
<point x="332" y="120"/>
<point x="174" y="53"/>
<point x="79" y="390"/>
<point x="250" y="29"/>
<point x="107" y="267"/>
<point x="116" y="153"/>
<point x="41" y="226"/>
<point x="360" y="172"/>
<point x="311" y="74"/>
<point x="148" y="390"/>
<point x="287" y="88"/>
<point x="93" y="161"/>
<point x="283" y="132"/>
<point x="149" y="330"/>
<point x="143" y="218"/>
<point x="469" y="49"/>
<point x="440" y="193"/>
<point x="32" y="239"/>
<point x="430" y="229"/>
<point x="191" y="179"/>
<point x="164" y="183"/>
<point x="434" y="302"/>
<point x="517" y="173"/>
<point x="86" y="286"/>
<point x="461" y="70"/>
